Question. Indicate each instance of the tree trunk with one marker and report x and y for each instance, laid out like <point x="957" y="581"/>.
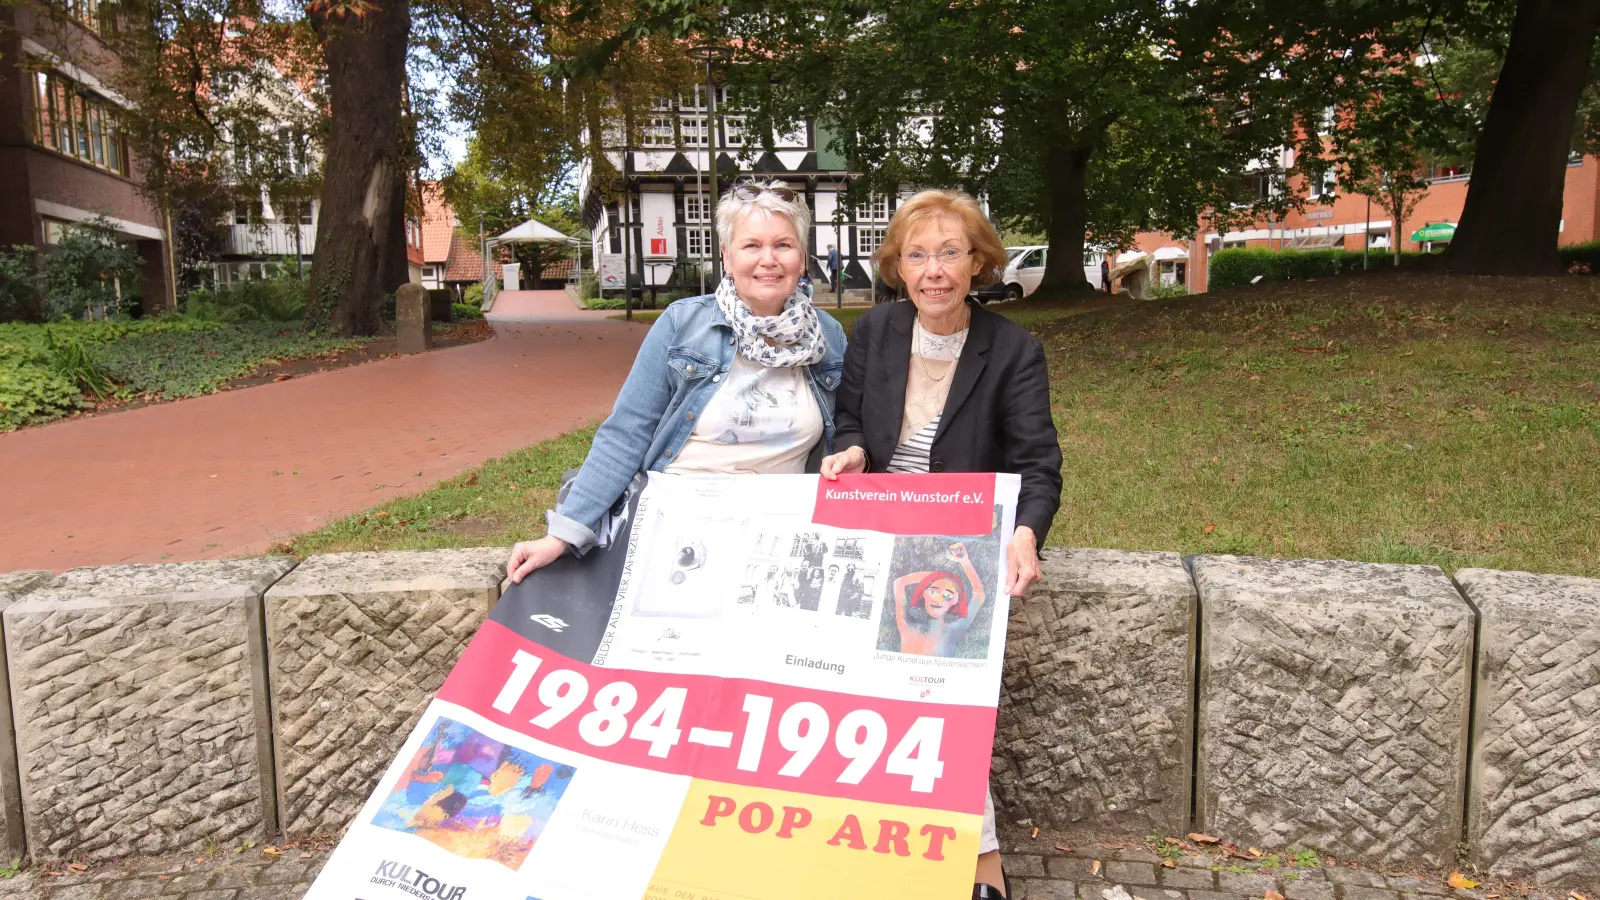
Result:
<point x="357" y="234"/>
<point x="1065" y="174"/>
<point x="1512" y="219"/>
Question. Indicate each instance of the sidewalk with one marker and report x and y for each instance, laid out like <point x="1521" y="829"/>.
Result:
<point x="231" y="474"/>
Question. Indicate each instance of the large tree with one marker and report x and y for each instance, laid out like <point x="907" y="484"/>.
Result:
<point x="1512" y="219"/>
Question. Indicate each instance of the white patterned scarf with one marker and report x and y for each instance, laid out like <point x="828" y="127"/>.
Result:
<point x="796" y="334"/>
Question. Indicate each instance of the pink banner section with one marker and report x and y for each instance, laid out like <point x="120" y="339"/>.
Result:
<point x="740" y="731"/>
<point x="953" y="504"/>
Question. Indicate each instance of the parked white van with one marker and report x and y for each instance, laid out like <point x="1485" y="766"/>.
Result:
<point x="1023" y="275"/>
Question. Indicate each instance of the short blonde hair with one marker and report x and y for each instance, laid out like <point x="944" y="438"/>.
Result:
<point x="926" y="205"/>
<point x="732" y="209"/>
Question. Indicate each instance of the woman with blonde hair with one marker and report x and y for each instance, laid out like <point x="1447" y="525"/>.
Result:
<point x="738" y="381"/>
<point x="939" y="384"/>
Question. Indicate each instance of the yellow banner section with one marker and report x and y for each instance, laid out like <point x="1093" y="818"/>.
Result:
<point x="746" y="843"/>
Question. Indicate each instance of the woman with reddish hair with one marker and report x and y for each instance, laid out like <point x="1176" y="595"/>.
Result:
<point x="938" y="615"/>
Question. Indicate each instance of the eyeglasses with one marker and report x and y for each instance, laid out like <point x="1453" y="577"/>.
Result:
<point x="752" y="191"/>
<point x="949" y="256"/>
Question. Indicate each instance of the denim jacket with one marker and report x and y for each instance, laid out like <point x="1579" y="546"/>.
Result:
<point x="679" y="367"/>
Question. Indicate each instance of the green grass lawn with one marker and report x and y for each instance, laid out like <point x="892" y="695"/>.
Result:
<point x="1387" y="418"/>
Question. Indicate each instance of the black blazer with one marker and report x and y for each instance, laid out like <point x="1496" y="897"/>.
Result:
<point x="996" y="419"/>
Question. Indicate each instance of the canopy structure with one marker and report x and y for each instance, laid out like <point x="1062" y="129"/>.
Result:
<point x="1437" y="232"/>
<point x="1165" y="253"/>
<point x="530" y="232"/>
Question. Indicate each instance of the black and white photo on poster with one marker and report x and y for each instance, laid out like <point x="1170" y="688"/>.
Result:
<point x="690" y="566"/>
<point x="810" y="569"/>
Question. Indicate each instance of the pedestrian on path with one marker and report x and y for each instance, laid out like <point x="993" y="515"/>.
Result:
<point x="833" y="265"/>
<point x="765" y="406"/>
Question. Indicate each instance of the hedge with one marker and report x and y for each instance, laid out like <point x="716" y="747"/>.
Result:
<point x="1582" y="258"/>
<point x="1230" y="268"/>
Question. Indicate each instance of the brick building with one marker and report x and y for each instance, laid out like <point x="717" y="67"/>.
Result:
<point x="1335" y="218"/>
<point x="63" y="157"/>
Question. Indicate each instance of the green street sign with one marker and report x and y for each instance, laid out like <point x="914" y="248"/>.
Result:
<point x="1439" y="231"/>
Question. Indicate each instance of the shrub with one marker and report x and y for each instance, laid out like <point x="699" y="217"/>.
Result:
<point x="473" y="295"/>
<point x="73" y="362"/>
<point x="1231" y="268"/>
<point x="605" y="303"/>
<point x="1168" y="291"/>
<point x="90" y="275"/>
<point x="589" y="287"/>
<point x="278" y="298"/>
<point x="1581" y="258"/>
<point x="466" y="311"/>
<point x="19" y="283"/>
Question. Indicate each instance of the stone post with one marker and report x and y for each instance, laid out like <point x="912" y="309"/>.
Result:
<point x="1095" y="723"/>
<point x="13" y="840"/>
<point x="140" y="703"/>
<point x="358" y="644"/>
<point x="1533" y="812"/>
<point x="1333" y="707"/>
<point x="412" y="323"/>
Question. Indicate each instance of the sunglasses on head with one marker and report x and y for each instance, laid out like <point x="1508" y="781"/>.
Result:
<point x="752" y="191"/>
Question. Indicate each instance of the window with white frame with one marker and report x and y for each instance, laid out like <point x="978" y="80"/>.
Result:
<point x="696" y="208"/>
<point x="877" y="209"/>
<point x="661" y="104"/>
<point x="1323" y="185"/>
<point x="659" y="132"/>
<point x="733" y="131"/>
<point x="694" y="131"/>
<point x="868" y="239"/>
<point x="699" y="242"/>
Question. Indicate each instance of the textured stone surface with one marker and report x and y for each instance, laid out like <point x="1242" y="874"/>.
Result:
<point x="1333" y="706"/>
<point x="358" y="643"/>
<point x="1095" y="718"/>
<point x="12" y="841"/>
<point x="140" y="707"/>
<point x="1534" y="807"/>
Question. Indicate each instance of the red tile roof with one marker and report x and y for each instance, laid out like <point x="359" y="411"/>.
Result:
<point x="438" y="223"/>
<point x="561" y="268"/>
<point x="465" y="263"/>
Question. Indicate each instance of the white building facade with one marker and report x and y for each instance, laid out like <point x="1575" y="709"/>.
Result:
<point x="670" y="207"/>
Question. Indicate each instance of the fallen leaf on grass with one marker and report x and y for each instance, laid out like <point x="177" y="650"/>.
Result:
<point x="1460" y="882"/>
<point x="1210" y="527"/>
<point x="1199" y="838"/>
<point x="1272" y="895"/>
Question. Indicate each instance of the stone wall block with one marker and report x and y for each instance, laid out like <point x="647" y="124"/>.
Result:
<point x="13" y="841"/>
<point x="1533" y="811"/>
<point x="1333" y="707"/>
<point x="140" y="705"/>
<point x="358" y="644"/>
<point x="1095" y="722"/>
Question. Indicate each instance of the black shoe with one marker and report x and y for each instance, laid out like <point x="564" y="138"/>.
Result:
<point x="986" y="892"/>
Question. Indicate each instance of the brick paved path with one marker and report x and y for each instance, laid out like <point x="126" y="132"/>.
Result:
<point x="230" y="474"/>
<point x="1038" y="872"/>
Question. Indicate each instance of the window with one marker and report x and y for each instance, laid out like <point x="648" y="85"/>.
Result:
<point x="661" y="104"/>
<point x="694" y="131"/>
<point x="696" y="208"/>
<point x="90" y="14"/>
<point x="659" y="132"/>
<point x="1322" y="185"/>
<point x="699" y="241"/>
<point x="698" y="99"/>
<point x="868" y="239"/>
<point x="54" y="230"/>
<point x="733" y="131"/>
<point x="878" y="209"/>
<point x="69" y="120"/>
<point x="1233" y="245"/>
<point x="1326" y="121"/>
<point x="247" y="211"/>
<point x="1378" y="240"/>
<point x="1033" y="260"/>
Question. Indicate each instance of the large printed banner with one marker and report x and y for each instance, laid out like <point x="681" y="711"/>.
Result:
<point x="764" y="688"/>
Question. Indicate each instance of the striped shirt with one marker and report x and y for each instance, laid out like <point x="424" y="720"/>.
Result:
<point x="912" y="455"/>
